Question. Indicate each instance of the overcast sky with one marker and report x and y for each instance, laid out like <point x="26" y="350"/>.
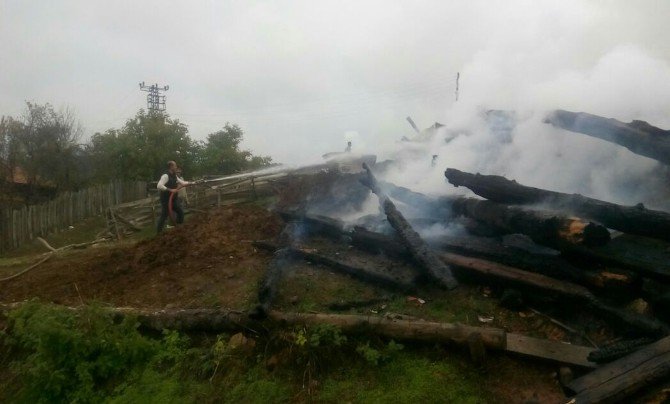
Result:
<point x="301" y="77"/>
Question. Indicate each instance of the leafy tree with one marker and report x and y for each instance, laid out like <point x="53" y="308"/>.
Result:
<point x="141" y="149"/>
<point x="8" y="147"/>
<point x="44" y="143"/>
<point x="222" y="154"/>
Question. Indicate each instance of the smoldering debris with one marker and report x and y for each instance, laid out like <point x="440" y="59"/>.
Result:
<point x="548" y="249"/>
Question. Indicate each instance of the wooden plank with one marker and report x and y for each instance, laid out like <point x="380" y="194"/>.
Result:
<point x="625" y="384"/>
<point x="553" y="350"/>
<point x="518" y="277"/>
<point x="620" y="366"/>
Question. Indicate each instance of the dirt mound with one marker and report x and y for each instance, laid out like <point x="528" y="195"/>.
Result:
<point x="209" y="261"/>
<point x="220" y="235"/>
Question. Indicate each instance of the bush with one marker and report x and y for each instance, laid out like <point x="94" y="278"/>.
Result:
<point x="73" y="356"/>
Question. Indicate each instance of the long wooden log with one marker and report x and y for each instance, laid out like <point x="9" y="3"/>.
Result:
<point x="413" y="330"/>
<point x="418" y="248"/>
<point x="647" y="256"/>
<point x="492" y="250"/>
<point x="621" y="378"/>
<point x="575" y="293"/>
<point x="637" y="136"/>
<point x="218" y="320"/>
<point x="511" y="276"/>
<point x="375" y="278"/>
<point x="544" y="227"/>
<point x="628" y="219"/>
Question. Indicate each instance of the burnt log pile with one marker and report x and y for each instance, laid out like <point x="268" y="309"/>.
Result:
<point x="639" y="257"/>
<point x="566" y="252"/>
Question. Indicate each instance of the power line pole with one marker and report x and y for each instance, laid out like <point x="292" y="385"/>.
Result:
<point x="155" y="101"/>
<point x="458" y="76"/>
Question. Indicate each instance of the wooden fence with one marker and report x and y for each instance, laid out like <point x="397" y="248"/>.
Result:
<point x="18" y="226"/>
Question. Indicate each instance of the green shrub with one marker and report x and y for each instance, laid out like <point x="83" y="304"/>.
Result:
<point x="375" y="356"/>
<point x="73" y="356"/>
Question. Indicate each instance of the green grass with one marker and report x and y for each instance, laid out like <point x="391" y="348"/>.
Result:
<point x="61" y="356"/>
<point x="408" y="378"/>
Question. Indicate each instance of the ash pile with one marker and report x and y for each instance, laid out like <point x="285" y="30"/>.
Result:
<point x="570" y="255"/>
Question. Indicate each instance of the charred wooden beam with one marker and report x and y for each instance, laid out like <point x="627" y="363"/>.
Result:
<point x="410" y="238"/>
<point x="646" y="256"/>
<point x="536" y="284"/>
<point x="565" y="290"/>
<point x="432" y="206"/>
<point x="544" y="227"/>
<point x="628" y="219"/>
<point x="375" y="278"/>
<point x="637" y="136"/>
<point x="510" y="276"/>
<point x="315" y="224"/>
<point x="619" y="379"/>
<point x="491" y="249"/>
<point x="269" y="288"/>
<point x="374" y="242"/>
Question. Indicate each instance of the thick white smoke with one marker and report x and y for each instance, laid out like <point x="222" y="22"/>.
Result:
<point x="625" y="84"/>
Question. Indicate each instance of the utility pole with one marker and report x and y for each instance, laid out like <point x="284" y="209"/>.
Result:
<point x="458" y="76"/>
<point x="155" y="101"/>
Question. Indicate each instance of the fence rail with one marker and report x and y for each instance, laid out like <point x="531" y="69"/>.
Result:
<point x="18" y="226"/>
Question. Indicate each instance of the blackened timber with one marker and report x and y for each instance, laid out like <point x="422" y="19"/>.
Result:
<point x="536" y="282"/>
<point x="544" y="227"/>
<point x="267" y="292"/>
<point x="628" y="219"/>
<point x="434" y="268"/>
<point x="637" y="136"/>
<point x="491" y="249"/>
<point x="315" y="223"/>
<point x="373" y="277"/>
<point x="619" y="379"/>
<point x="433" y="206"/>
<point x="517" y="277"/>
<point x="379" y="243"/>
<point x="647" y="256"/>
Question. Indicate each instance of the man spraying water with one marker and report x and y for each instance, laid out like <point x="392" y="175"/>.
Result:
<point x="168" y="186"/>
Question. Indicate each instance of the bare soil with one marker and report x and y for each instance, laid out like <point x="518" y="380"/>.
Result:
<point x="208" y="261"/>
